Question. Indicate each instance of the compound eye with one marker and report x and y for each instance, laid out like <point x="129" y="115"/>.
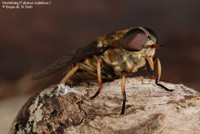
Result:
<point x="134" y="40"/>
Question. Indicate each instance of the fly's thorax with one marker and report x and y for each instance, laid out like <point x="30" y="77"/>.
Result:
<point x="113" y="56"/>
<point x="139" y="58"/>
<point x="122" y="60"/>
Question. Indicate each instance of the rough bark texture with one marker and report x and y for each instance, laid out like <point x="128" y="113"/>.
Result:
<point x="149" y="109"/>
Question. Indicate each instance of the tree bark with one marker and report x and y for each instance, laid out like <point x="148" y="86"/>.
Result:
<point x="149" y="109"/>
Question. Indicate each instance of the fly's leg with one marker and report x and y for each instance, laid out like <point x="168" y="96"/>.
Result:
<point x="150" y="66"/>
<point x="61" y="88"/>
<point x="155" y="72"/>
<point x="123" y="94"/>
<point x="158" y="74"/>
<point x="99" y="61"/>
<point x="66" y="79"/>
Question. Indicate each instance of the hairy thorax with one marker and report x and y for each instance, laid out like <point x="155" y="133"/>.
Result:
<point x="124" y="61"/>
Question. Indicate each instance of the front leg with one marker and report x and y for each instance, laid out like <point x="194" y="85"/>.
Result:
<point x="155" y="73"/>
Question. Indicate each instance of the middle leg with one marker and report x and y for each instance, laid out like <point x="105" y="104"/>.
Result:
<point x="99" y="61"/>
<point x="123" y="94"/>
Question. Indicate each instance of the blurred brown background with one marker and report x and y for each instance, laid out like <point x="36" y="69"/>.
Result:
<point x="31" y="39"/>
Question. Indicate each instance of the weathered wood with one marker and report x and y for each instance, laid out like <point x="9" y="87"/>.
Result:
<point x="149" y="109"/>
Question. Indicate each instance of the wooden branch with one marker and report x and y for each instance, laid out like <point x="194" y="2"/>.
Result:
<point x="149" y="109"/>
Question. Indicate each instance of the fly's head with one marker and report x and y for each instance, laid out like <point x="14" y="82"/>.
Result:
<point x="140" y="41"/>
